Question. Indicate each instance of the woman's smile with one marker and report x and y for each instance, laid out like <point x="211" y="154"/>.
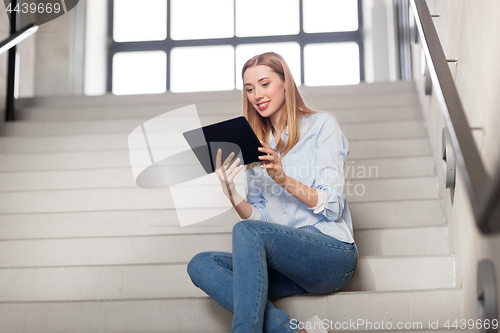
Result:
<point x="263" y="105"/>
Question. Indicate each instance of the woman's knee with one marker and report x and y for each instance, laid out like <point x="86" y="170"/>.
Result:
<point x="197" y="265"/>
<point x="246" y="226"/>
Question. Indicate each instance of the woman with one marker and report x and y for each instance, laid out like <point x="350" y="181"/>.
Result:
<point x="308" y="247"/>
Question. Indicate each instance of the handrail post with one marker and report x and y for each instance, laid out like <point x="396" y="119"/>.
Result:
<point x="12" y="70"/>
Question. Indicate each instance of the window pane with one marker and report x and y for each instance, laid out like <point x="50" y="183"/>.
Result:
<point x="289" y="51"/>
<point x="139" y="73"/>
<point x="330" y="15"/>
<point x="136" y="21"/>
<point x="267" y="17"/>
<point x="199" y="19"/>
<point x="202" y="68"/>
<point x="331" y="64"/>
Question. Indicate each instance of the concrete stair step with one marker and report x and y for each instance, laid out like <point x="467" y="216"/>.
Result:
<point x="119" y="223"/>
<point x="44" y="130"/>
<point x="49" y="124"/>
<point x="182" y="247"/>
<point x="119" y="141"/>
<point x="87" y="282"/>
<point x="169" y="315"/>
<point x="362" y="88"/>
<point x="71" y="159"/>
<point x="123" y="177"/>
<point x="227" y="107"/>
<point x="359" y="190"/>
<point x="388" y="88"/>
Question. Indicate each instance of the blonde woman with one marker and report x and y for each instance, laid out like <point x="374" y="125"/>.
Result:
<point x="296" y="232"/>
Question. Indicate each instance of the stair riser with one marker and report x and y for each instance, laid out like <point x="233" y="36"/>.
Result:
<point x="138" y="198"/>
<point x="172" y="100"/>
<point x="121" y="125"/>
<point x="389" y="88"/>
<point x="172" y="280"/>
<point x="176" y="315"/>
<point x="113" y="159"/>
<point x="160" y="222"/>
<point x="16" y="145"/>
<point x="181" y="248"/>
<point x="229" y="108"/>
<point x="123" y="177"/>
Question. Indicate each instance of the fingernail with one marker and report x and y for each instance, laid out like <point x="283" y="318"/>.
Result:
<point x="219" y="150"/>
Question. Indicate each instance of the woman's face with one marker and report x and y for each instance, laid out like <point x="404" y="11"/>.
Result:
<point x="265" y="91"/>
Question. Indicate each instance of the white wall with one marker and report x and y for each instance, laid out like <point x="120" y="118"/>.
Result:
<point x="468" y="31"/>
<point x="379" y="40"/>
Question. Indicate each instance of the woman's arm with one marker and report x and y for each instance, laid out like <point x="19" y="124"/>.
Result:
<point x="307" y="195"/>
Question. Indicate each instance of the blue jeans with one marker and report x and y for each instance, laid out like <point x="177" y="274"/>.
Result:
<point x="271" y="260"/>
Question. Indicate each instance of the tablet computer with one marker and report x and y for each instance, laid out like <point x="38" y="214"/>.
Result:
<point x="233" y="135"/>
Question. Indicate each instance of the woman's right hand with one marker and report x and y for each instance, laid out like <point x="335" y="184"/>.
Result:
<point x="226" y="172"/>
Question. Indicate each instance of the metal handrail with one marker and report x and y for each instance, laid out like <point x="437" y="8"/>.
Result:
<point x="484" y="195"/>
<point x="10" y="44"/>
<point x="17" y="37"/>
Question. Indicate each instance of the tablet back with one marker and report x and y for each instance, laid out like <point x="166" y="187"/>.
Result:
<point x="233" y="135"/>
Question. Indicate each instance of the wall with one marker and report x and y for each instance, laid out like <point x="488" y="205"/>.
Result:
<point x="468" y="31"/>
<point x="379" y="38"/>
<point x="52" y="71"/>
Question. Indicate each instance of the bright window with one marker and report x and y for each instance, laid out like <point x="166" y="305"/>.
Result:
<point x="330" y="15"/>
<point x="267" y="17"/>
<point x="201" y="19"/>
<point x="139" y="73"/>
<point x="331" y="64"/>
<point x="209" y="41"/>
<point x="139" y="21"/>
<point x="202" y="68"/>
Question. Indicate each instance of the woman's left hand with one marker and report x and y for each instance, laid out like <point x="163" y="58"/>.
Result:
<point x="272" y="164"/>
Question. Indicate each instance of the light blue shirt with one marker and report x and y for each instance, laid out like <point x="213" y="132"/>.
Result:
<point x="318" y="161"/>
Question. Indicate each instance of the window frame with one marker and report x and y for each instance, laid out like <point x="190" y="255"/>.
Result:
<point x="166" y="45"/>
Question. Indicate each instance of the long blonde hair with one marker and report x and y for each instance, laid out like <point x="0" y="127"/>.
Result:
<point x="294" y="109"/>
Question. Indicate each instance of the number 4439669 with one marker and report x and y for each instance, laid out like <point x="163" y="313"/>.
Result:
<point x="471" y="324"/>
<point x="34" y="8"/>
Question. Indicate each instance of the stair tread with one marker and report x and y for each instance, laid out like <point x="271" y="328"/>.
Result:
<point x="413" y="166"/>
<point x="143" y="249"/>
<point x="171" y="279"/>
<point x="209" y="196"/>
<point x="160" y="221"/>
<point x="29" y="130"/>
<point x="154" y="315"/>
<point x="173" y="141"/>
<point x="389" y="88"/>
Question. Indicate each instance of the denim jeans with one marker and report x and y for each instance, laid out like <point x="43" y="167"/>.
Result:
<point x="271" y="260"/>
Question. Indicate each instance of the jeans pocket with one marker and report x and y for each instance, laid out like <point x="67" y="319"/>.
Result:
<point x="345" y="279"/>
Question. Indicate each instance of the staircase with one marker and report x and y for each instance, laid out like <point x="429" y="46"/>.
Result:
<point x="83" y="249"/>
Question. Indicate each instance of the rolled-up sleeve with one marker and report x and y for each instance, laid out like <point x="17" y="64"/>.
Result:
<point x="331" y="152"/>
<point x="255" y="197"/>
